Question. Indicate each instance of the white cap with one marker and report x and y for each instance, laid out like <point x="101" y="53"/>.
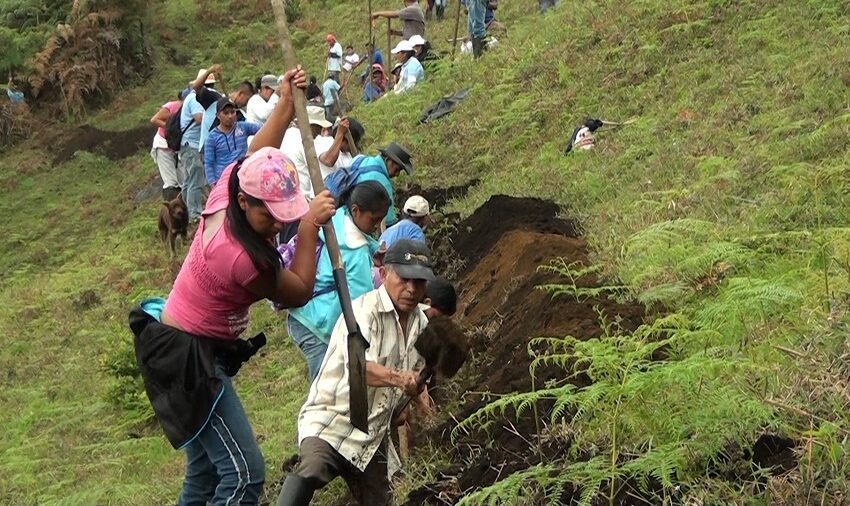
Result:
<point x="403" y="45"/>
<point x="317" y="116"/>
<point x="416" y="40"/>
<point x="417" y="207"/>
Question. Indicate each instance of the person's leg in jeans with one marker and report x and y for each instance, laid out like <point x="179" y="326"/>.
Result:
<point x="477" y="11"/>
<point x="230" y="448"/>
<point x="546" y="4"/>
<point x="201" y="478"/>
<point x="310" y="345"/>
<point x="190" y="161"/>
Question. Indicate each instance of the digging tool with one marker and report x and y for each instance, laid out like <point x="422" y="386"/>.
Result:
<point x="356" y="344"/>
<point x="443" y="346"/>
<point x="352" y="148"/>
<point x="371" y="47"/>
<point x="457" y="27"/>
<point x="389" y="40"/>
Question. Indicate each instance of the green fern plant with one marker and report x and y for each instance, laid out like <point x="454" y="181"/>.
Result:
<point x="656" y="413"/>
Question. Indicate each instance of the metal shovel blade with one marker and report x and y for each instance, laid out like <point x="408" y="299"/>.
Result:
<point x="358" y="400"/>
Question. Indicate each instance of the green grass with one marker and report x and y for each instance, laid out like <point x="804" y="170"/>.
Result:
<point x="724" y="202"/>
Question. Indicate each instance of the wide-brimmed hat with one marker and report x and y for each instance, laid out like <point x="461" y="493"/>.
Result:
<point x="410" y="259"/>
<point x="270" y="176"/>
<point x="317" y="116"/>
<point x="210" y="78"/>
<point x="397" y="153"/>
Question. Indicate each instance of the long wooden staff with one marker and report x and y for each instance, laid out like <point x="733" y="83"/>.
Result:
<point x="457" y="27"/>
<point x="356" y="343"/>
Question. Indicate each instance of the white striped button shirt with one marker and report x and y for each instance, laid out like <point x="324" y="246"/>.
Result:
<point x="326" y="413"/>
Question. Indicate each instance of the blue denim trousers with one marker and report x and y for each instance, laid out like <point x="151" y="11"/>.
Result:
<point x="190" y="164"/>
<point x="224" y="465"/>
<point x="475" y="19"/>
<point x="544" y="5"/>
<point x="310" y="345"/>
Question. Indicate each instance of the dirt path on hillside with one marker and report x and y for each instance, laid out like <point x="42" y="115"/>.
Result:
<point x="500" y="247"/>
<point x="113" y="145"/>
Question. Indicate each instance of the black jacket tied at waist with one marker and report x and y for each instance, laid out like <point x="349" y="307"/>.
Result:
<point x="179" y="371"/>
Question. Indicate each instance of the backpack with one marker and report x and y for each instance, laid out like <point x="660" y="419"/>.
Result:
<point x="173" y="132"/>
<point x="342" y="179"/>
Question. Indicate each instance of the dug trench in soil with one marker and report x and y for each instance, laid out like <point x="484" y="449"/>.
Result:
<point x="500" y="247"/>
<point x="113" y="145"/>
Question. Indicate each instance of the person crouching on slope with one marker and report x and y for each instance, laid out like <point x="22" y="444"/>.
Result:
<point x="329" y="446"/>
<point x="188" y="346"/>
<point x="361" y="210"/>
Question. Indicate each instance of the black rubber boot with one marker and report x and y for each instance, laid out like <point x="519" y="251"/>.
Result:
<point x="296" y="491"/>
<point x="441" y="11"/>
<point x="477" y="46"/>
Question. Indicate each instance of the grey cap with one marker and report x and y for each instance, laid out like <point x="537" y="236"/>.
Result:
<point x="269" y="81"/>
<point x="410" y="259"/>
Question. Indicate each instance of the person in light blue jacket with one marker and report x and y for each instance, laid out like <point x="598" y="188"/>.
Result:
<point x="361" y="210"/>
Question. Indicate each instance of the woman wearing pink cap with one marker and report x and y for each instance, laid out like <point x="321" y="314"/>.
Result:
<point x="188" y="346"/>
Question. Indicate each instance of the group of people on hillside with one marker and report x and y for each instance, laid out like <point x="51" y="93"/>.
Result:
<point x="259" y="236"/>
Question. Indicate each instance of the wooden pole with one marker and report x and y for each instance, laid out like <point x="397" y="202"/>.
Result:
<point x="356" y="343"/>
<point x="371" y="48"/>
<point x="389" y="41"/>
<point x="457" y="27"/>
<point x="352" y="148"/>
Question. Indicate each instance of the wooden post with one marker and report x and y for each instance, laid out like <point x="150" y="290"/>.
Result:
<point x="457" y="27"/>
<point x="389" y="43"/>
<point x="356" y="344"/>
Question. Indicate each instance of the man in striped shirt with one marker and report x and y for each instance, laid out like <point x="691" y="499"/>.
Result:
<point x="390" y="320"/>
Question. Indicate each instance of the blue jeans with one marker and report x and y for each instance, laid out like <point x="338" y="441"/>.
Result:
<point x="475" y="19"/>
<point x="224" y="465"/>
<point x="310" y="345"/>
<point x="544" y="5"/>
<point x="190" y="164"/>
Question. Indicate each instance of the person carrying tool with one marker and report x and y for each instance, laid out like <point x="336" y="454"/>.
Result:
<point x="187" y="347"/>
<point x="329" y="446"/>
<point x="361" y="210"/>
<point x="411" y="15"/>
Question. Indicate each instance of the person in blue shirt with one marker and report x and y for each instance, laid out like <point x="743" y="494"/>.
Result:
<point x="411" y="70"/>
<point x="227" y="142"/>
<point x="377" y="57"/>
<point x="328" y="87"/>
<point x="189" y="156"/>
<point x="414" y="219"/>
<point x="361" y="210"/>
<point x="389" y="163"/>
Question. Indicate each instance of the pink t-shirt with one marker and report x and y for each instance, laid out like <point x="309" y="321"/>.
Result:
<point x="209" y="297"/>
<point x="172" y="108"/>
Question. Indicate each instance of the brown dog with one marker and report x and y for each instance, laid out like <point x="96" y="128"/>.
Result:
<point x="173" y="221"/>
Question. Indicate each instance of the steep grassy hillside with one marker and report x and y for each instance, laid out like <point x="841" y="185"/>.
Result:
<point x="721" y="208"/>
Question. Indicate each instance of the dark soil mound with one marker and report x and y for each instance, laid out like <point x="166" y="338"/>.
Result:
<point x="497" y="251"/>
<point x="113" y="145"/>
<point x="476" y="235"/>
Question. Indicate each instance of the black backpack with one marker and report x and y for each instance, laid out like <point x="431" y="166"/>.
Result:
<point x="173" y="132"/>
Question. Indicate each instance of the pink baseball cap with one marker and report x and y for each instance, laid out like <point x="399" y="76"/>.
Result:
<point x="270" y="176"/>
